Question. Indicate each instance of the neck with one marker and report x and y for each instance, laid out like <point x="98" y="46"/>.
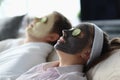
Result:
<point x="73" y="60"/>
<point x="63" y="62"/>
<point x="27" y="40"/>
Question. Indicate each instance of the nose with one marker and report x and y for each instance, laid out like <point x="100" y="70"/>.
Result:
<point x="65" y="33"/>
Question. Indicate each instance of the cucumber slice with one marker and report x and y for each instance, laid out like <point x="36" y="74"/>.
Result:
<point x="44" y="19"/>
<point x="76" y="32"/>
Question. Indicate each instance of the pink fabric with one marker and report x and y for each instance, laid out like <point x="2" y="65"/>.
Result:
<point x="50" y="74"/>
<point x="51" y="71"/>
<point x="40" y="72"/>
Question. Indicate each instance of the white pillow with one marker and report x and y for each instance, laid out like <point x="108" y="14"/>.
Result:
<point x="15" y="61"/>
<point x="52" y="56"/>
<point x="109" y="69"/>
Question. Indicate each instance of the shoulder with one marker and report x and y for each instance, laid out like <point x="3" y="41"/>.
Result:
<point x="50" y="64"/>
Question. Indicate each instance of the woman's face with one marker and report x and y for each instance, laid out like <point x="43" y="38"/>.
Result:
<point x="74" y="40"/>
<point x="40" y="27"/>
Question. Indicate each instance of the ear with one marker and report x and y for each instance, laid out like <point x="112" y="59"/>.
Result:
<point x="85" y="55"/>
<point x="53" y="37"/>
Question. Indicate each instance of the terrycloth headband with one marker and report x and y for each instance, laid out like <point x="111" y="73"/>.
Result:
<point x="97" y="44"/>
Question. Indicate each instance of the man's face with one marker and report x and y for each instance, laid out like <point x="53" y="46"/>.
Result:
<point x="40" y="27"/>
<point x="73" y="40"/>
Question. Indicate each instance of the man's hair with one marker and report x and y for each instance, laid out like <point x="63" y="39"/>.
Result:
<point x="61" y="23"/>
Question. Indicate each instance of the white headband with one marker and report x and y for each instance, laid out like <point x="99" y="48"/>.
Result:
<point x="97" y="44"/>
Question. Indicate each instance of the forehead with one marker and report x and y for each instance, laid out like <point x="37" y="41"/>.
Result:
<point x="51" y="18"/>
<point x="86" y="29"/>
<point x="52" y="15"/>
<point x="55" y="15"/>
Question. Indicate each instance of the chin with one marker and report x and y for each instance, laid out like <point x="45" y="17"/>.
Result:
<point x="66" y="48"/>
<point x="61" y="47"/>
<point x="59" y="51"/>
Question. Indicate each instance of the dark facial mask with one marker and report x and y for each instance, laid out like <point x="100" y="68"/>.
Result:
<point x="75" y="40"/>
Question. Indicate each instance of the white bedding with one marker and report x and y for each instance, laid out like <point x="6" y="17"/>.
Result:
<point x="108" y="69"/>
<point x="15" y="61"/>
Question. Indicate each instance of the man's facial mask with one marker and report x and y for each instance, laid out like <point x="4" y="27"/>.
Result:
<point x="41" y="26"/>
<point x="73" y="40"/>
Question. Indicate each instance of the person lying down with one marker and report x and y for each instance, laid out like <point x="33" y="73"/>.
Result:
<point x="19" y="55"/>
<point x="79" y="46"/>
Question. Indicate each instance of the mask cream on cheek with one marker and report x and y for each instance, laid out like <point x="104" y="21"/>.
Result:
<point x="74" y="44"/>
<point x="41" y="30"/>
<point x="43" y="26"/>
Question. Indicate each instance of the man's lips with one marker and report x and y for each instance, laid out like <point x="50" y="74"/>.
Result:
<point x="61" y="40"/>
